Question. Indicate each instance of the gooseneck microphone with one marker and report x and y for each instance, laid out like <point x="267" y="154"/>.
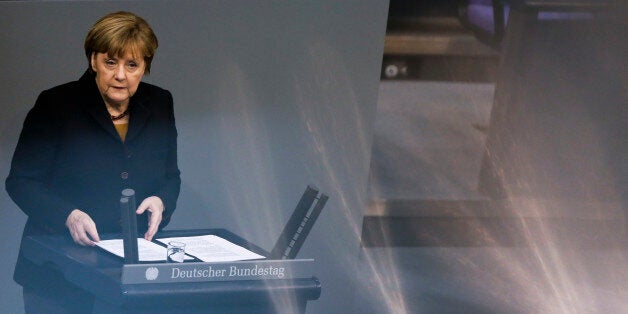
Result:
<point x="129" y="226"/>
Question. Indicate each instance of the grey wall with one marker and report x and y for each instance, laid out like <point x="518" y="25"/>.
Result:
<point x="270" y="96"/>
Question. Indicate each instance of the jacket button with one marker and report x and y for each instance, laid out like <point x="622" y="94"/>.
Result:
<point x="124" y="175"/>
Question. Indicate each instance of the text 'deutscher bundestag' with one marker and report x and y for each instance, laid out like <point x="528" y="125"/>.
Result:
<point x="230" y="271"/>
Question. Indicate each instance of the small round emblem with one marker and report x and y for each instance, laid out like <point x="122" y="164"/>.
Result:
<point x="152" y="273"/>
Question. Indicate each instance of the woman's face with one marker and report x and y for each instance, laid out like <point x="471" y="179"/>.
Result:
<point x="118" y="77"/>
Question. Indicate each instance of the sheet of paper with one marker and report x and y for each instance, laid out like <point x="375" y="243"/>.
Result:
<point x="147" y="251"/>
<point x="211" y="248"/>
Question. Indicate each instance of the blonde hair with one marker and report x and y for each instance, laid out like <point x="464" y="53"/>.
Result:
<point x="119" y="33"/>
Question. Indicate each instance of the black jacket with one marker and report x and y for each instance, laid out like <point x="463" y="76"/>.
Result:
<point x="69" y="156"/>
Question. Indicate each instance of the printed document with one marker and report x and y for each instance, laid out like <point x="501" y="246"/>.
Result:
<point x="147" y="251"/>
<point x="211" y="248"/>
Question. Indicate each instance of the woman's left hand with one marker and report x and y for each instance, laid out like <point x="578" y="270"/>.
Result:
<point x="155" y="208"/>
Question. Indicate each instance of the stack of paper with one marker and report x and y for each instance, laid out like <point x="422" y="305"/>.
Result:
<point x="207" y="248"/>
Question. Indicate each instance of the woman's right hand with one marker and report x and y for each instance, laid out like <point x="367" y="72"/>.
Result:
<point x="82" y="228"/>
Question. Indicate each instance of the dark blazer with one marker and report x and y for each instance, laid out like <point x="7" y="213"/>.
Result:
<point x="69" y="156"/>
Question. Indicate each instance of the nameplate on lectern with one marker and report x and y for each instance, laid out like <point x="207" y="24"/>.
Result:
<point x="223" y="271"/>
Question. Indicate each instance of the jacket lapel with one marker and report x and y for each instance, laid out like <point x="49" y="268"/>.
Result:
<point x="139" y="113"/>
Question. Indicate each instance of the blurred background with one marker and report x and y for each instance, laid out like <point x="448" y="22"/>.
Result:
<point x="498" y="176"/>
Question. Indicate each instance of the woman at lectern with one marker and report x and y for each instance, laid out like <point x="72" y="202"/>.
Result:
<point x="83" y="143"/>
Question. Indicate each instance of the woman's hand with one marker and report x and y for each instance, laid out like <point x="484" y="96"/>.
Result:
<point x="155" y="208"/>
<point x="82" y="228"/>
